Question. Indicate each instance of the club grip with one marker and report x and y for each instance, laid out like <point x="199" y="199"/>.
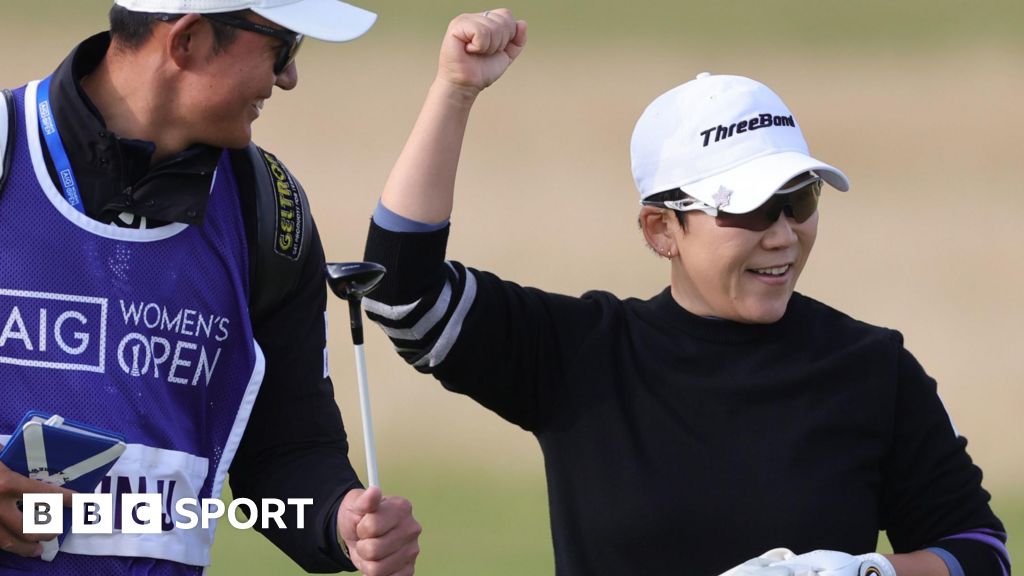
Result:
<point x="355" y="312"/>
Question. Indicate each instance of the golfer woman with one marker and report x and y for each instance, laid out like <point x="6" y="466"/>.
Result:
<point x="725" y="416"/>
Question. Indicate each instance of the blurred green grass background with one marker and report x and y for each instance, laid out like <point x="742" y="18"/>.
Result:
<point x="487" y="518"/>
<point x="803" y="24"/>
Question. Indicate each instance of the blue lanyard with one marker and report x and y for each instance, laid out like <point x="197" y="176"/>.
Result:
<point x="65" y="174"/>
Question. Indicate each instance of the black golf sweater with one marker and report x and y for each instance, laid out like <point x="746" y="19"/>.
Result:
<point x="681" y="445"/>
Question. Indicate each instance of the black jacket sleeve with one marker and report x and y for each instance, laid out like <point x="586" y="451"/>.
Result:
<point x="295" y="444"/>
<point x="502" y="344"/>
<point x="932" y="496"/>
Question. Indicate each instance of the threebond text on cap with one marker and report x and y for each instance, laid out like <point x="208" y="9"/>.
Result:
<point x="721" y="136"/>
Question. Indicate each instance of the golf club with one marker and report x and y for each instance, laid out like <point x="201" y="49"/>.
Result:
<point x="351" y="281"/>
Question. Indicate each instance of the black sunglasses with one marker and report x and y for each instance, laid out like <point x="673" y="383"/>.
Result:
<point x="291" y="41"/>
<point x="799" y="202"/>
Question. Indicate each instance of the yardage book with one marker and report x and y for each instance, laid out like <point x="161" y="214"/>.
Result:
<point x="62" y="453"/>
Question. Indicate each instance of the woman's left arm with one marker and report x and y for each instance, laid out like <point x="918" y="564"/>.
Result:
<point x="933" y="505"/>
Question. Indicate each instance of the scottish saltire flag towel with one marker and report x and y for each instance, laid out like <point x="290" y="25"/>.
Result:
<point x="62" y="453"/>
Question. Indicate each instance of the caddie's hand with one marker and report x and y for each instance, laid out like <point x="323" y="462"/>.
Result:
<point x="12" y="488"/>
<point x="380" y="533"/>
<point x="832" y="563"/>
<point x="478" y="48"/>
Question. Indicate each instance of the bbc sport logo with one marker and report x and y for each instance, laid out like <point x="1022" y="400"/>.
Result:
<point x="140" y="513"/>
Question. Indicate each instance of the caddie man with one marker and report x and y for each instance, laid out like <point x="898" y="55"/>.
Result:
<point x="162" y="278"/>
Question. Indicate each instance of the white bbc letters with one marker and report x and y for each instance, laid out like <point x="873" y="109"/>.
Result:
<point x="92" y="513"/>
<point x="140" y="513"/>
<point x="43" y="514"/>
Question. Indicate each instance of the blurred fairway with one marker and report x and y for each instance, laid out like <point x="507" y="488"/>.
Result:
<point x="916" y="101"/>
<point x="865" y="25"/>
<point x="475" y="523"/>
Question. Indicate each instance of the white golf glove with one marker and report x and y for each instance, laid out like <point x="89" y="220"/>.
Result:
<point x="782" y="562"/>
<point x="762" y="565"/>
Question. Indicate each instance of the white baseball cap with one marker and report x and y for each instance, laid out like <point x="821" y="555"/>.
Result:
<point x="728" y="141"/>
<point x="329" y="20"/>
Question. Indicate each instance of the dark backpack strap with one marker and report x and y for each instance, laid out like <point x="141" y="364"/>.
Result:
<point x="7" y="128"/>
<point x="279" y="226"/>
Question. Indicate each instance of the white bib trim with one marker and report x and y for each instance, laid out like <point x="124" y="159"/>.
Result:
<point x="188" y="472"/>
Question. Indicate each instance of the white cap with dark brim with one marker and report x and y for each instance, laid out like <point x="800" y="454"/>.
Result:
<point x="728" y="141"/>
<point x="328" y="20"/>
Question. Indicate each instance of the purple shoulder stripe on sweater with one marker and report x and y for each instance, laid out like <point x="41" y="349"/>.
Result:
<point x="991" y="532"/>
<point x="993" y="538"/>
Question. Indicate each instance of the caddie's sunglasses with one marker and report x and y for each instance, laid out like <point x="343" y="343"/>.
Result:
<point x="290" y="41"/>
<point x="799" y="202"/>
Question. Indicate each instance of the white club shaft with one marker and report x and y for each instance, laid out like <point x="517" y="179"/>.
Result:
<point x="364" y="408"/>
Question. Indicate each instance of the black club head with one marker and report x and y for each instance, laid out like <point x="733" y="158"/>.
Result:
<point x="353" y="280"/>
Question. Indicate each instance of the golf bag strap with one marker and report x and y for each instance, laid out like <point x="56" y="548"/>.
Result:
<point x="279" y="230"/>
<point x="7" y="128"/>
